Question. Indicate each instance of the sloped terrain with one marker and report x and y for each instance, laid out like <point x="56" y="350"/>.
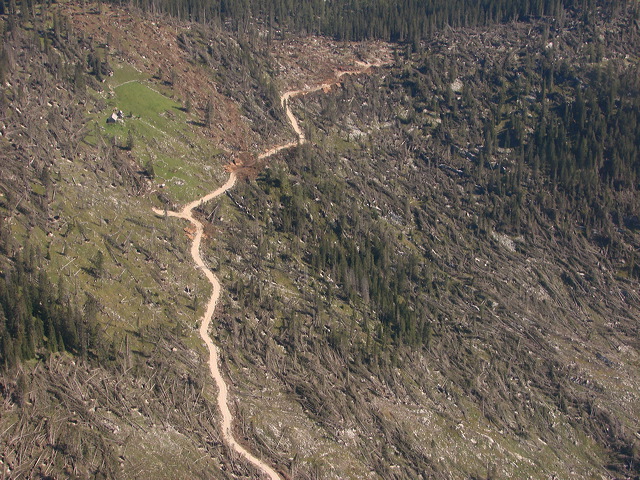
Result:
<point x="105" y="373"/>
<point x="443" y="282"/>
<point x="421" y="299"/>
<point x="88" y="262"/>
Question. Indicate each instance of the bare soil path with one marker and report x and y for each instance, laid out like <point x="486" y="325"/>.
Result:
<point x="187" y="214"/>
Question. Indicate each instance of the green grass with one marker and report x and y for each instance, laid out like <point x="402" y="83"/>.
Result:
<point x="185" y="160"/>
<point x="164" y="134"/>
<point x="38" y="189"/>
<point x="125" y="73"/>
<point x="142" y="101"/>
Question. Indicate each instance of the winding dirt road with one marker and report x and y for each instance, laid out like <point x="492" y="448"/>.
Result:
<point x="187" y="214"/>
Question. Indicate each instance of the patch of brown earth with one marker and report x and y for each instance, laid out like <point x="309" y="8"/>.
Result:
<point x="151" y="46"/>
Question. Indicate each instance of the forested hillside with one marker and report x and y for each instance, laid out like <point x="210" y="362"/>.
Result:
<point x="444" y="281"/>
<point x="403" y="21"/>
<point x="462" y="233"/>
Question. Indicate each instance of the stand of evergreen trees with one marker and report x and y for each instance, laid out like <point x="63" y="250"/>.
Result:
<point x="591" y="140"/>
<point x="403" y="20"/>
<point x="581" y="152"/>
<point x="38" y="317"/>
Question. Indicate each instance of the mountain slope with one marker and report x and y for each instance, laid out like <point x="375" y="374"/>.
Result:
<point x="427" y="300"/>
<point x="441" y="282"/>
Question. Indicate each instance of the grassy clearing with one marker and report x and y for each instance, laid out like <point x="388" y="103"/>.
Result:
<point x="140" y="100"/>
<point x="125" y="73"/>
<point x="163" y="135"/>
<point x="134" y="288"/>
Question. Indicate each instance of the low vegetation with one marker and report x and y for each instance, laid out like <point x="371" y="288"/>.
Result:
<point x="443" y="282"/>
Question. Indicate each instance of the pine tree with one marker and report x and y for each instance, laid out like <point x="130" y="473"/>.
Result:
<point x="208" y="113"/>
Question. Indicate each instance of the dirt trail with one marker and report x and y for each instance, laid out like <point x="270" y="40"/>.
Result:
<point x="187" y="214"/>
<point x="284" y="99"/>
<point x="223" y="392"/>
